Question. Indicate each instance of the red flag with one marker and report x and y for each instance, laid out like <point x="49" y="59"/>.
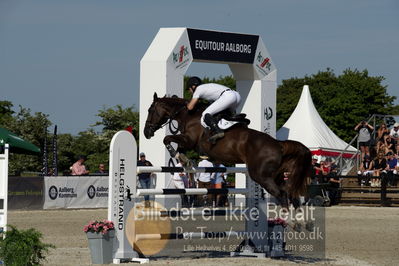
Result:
<point x="130" y="129"/>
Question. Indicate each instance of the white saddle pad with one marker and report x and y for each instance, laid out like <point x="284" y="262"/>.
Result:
<point x="225" y="124"/>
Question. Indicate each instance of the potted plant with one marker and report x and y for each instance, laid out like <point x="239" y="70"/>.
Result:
<point x="276" y="236"/>
<point x="23" y="247"/>
<point x="100" y="235"/>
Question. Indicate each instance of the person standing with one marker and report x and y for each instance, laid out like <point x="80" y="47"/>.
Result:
<point x="218" y="181"/>
<point x="180" y="181"/>
<point x="364" y="138"/>
<point x="204" y="179"/>
<point x="316" y="170"/>
<point x="145" y="178"/>
<point x="395" y="137"/>
<point x="78" y="168"/>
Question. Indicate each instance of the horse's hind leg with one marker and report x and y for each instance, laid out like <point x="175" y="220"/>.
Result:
<point x="270" y="185"/>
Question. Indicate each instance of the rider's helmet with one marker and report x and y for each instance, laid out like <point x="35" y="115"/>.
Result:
<point x="194" y="81"/>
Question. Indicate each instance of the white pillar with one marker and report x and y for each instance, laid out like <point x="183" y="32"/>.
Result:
<point x="164" y="64"/>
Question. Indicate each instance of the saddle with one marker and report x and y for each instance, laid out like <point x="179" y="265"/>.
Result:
<point x="237" y="118"/>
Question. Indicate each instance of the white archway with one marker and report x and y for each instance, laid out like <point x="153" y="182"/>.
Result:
<point x="170" y="54"/>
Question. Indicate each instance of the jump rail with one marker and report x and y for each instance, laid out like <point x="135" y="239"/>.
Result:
<point x="166" y="169"/>
<point x="124" y="197"/>
<point x="191" y="191"/>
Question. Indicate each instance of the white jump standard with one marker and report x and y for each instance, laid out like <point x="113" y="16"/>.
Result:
<point x="124" y="196"/>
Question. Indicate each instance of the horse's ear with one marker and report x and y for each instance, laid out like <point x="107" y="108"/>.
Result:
<point x="155" y="96"/>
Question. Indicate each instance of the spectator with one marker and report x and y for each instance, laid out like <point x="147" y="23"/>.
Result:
<point x="364" y="138"/>
<point x="333" y="189"/>
<point x="145" y="178"/>
<point x="101" y="169"/>
<point x="392" y="165"/>
<point x="382" y="132"/>
<point x="218" y="181"/>
<point x="333" y="168"/>
<point x="180" y="181"/>
<point x="204" y="179"/>
<point x="365" y="171"/>
<point x="316" y="170"/>
<point x="395" y="137"/>
<point x="378" y="166"/>
<point x="78" y="168"/>
<point x="388" y="144"/>
<point x="325" y="170"/>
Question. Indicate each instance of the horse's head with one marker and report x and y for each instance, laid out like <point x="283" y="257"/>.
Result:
<point x="160" y="111"/>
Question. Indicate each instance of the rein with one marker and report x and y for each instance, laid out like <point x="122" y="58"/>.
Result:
<point x="170" y="118"/>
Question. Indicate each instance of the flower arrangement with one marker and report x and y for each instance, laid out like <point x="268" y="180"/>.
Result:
<point x="277" y="221"/>
<point x="99" y="227"/>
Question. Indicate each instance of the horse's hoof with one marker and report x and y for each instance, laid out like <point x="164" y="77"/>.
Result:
<point x="297" y="227"/>
<point x="309" y="226"/>
<point x="182" y="158"/>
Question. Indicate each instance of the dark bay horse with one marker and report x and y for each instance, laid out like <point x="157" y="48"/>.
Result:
<point x="266" y="158"/>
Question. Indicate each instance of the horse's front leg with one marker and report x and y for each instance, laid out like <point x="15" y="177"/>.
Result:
<point x="180" y="140"/>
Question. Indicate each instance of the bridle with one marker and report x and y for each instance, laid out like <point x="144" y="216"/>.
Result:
<point x="155" y="127"/>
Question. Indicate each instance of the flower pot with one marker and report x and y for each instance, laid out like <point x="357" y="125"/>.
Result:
<point x="101" y="247"/>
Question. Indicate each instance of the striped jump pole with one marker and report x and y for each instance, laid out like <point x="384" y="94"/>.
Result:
<point x="166" y="169"/>
<point x="191" y="191"/>
<point x="124" y="195"/>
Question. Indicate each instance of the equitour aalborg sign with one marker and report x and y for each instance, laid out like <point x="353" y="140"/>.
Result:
<point x="222" y="46"/>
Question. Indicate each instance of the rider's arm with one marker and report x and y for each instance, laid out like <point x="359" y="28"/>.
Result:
<point x="192" y="103"/>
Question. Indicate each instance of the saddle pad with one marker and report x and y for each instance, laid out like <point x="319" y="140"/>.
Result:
<point x="225" y="124"/>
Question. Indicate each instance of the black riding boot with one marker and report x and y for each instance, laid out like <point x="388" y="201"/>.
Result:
<point x="216" y="132"/>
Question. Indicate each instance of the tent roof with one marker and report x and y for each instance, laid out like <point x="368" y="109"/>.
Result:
<point x="306" y="125"/>
<point x="17" y="144"/>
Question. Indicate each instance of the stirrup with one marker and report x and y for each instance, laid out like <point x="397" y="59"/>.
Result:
<point x="216" y="136"/>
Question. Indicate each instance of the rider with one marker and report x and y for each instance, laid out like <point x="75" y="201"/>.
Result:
<point x="222" y="98"/>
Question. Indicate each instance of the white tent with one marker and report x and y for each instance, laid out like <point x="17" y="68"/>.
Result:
<point x="306" y="126"/>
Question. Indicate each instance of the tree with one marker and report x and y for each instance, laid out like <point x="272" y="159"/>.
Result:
<point x="6" y="112"/>
<point x="342" y="101"/>
<point x="118" y="118"/>
<point x="29" y="127"/>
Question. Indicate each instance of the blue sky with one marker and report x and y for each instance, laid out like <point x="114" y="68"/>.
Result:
<point x="70" y="58"/>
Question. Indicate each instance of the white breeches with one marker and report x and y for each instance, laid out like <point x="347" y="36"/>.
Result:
<point x="180" y="183"/>
<point x="229" y="100"/>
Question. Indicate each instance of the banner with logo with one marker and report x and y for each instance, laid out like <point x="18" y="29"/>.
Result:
<point x="65" y="192"/>
<point x="25" y="192"/>
<point x="223" y="46"/>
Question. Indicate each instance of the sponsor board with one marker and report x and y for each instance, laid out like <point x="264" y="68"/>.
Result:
<point x="75" y="192"/>
<point x="222" y="46"/>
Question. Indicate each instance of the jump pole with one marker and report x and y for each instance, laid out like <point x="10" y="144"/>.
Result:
<point x="123" y="195"/>
<point x="4" y="189"/>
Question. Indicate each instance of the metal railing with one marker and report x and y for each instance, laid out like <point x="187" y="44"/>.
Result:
<point x="387" y="119"/>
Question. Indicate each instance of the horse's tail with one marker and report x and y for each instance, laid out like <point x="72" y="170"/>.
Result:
<point x="297" y="160"/>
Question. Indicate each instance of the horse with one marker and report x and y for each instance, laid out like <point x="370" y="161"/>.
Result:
<point x="266" y="158"/>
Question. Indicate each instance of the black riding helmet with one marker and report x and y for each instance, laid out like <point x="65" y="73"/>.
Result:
<point x="193" y="81"/>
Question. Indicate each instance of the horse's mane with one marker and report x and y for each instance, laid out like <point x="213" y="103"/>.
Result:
<point x="180" y="102"/>
<point x="173" y="100"/>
